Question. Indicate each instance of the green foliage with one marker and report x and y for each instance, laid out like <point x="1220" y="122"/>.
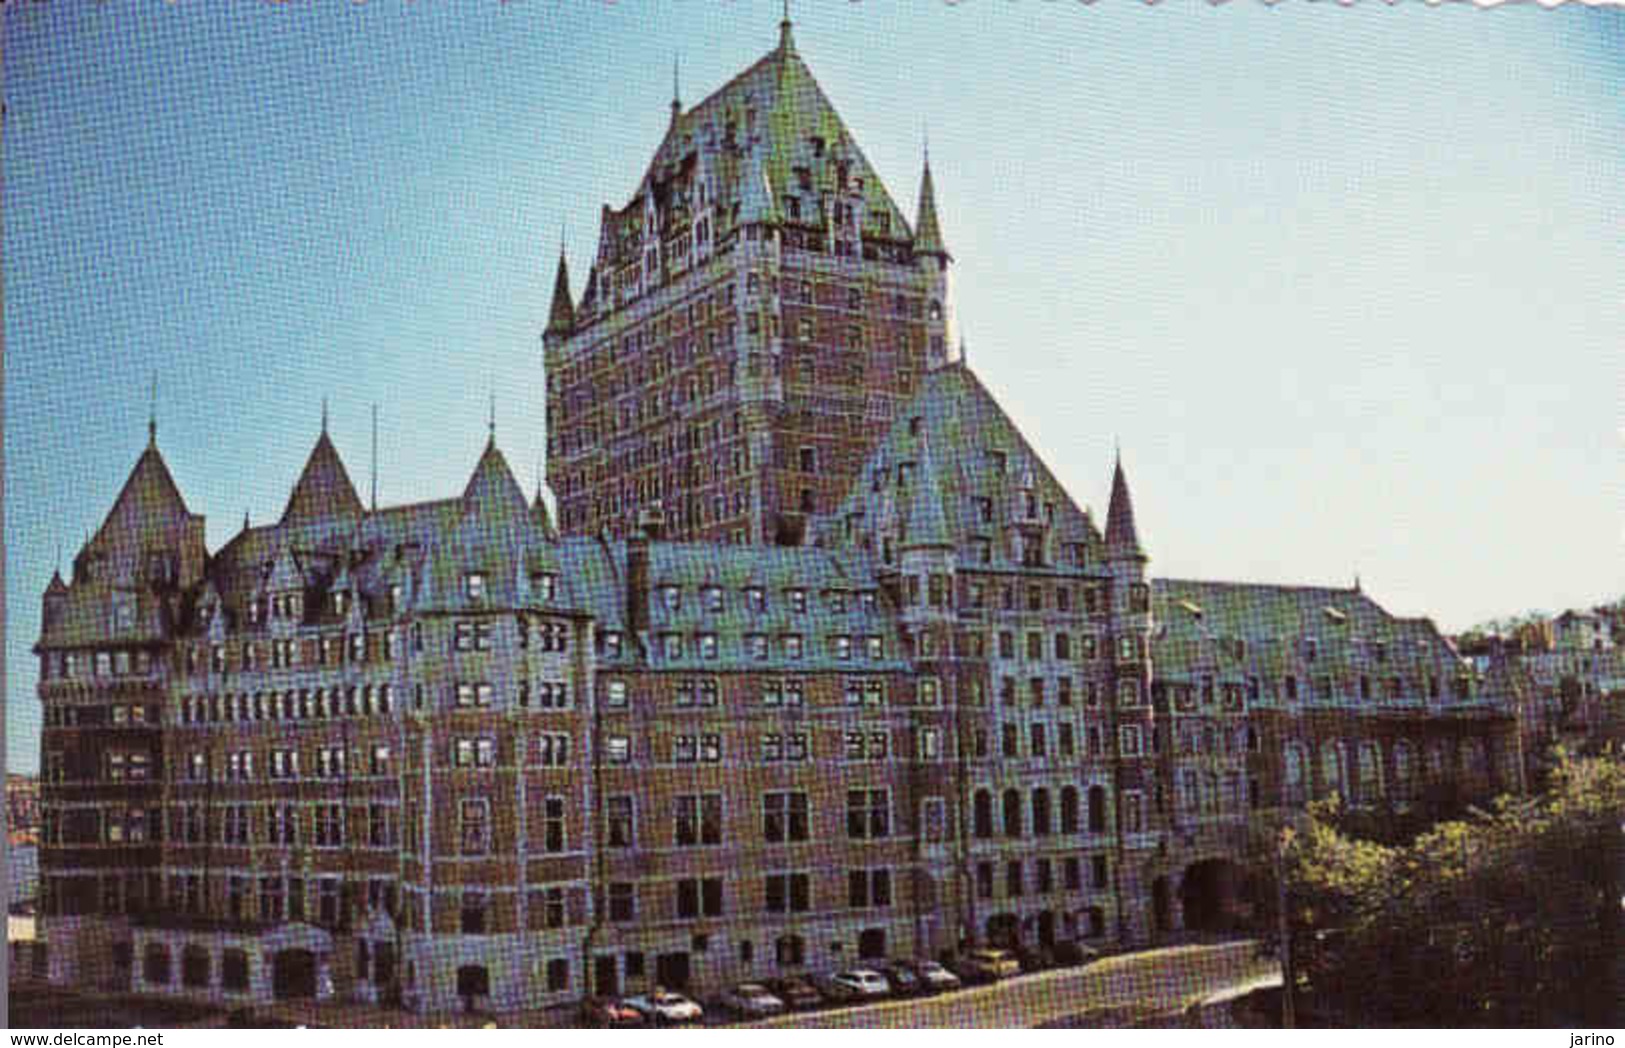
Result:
<point x="1508" y="917"/>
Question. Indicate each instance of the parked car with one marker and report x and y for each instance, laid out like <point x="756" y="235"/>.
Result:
<point x="1034" y="958"/>
<point x="608" y="1013"/>
<point x="1074" y="953"/>
<point x="864" y="984"/>
<point x="752" y="1001"/>
<point x="664" y="1006"/>
<point x="986" y="964"/>
<point x="905" y="981"/>
<point x="796" y="992"/>
<point x="934" y="978"/>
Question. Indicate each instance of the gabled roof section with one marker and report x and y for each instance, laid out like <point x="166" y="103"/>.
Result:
<point x="956" y="431"/>
<point x="324" y="488"/>
<point x="1272" y="620"/>
<point x="491" y="491"/>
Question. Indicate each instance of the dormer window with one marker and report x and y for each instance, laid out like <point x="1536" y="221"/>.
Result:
<point x="756" y="598"/>
<point x="341" y="603"/>
<point x="671" y="597"/>
<point x="474" y="585"/>
<point x="712" y="595"/>
<point x="798" y="600"/>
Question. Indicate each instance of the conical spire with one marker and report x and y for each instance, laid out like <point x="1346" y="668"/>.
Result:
<point x="927" y="233"/>
<point x="561" y="318"/>
<point x="927" y="522"/>
<point x="56" y="584"/>
<point x="324" y="487"/>
<point x="1121" y="535"/>
<point x="149" y="497"/>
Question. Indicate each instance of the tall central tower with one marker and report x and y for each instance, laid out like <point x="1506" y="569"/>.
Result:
<point x="751" y="321"/>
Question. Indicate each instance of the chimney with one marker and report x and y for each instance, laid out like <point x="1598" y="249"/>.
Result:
<point x="637" y="582"/>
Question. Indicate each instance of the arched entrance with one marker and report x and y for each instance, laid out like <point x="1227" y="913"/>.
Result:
<point x="1211" y="896"/>
<point x="473" y="986"/>
<point x="1046" y="928"/>
<point x="293" y="974"/>
<point x="1161" y="906"/>
<point x="1004" y="929"/>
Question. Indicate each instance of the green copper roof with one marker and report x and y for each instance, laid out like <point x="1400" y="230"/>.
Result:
<point x="992" y="486"/>
<point x="927" y="233"/>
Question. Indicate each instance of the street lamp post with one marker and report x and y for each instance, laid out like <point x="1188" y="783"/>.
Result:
<point x="1288" y="1016"/>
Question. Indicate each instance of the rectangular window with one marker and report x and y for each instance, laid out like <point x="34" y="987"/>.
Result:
<point x="784" y="817"/>
<point x="868" y="814"/>
<point x="475" y="834"/>
<point x="618" y="818"/>
<point x="788" y="893"/>
<point x="553" y="824"/>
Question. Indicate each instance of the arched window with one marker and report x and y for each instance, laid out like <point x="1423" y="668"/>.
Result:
<point x="1404" y="777"/>
<point x="155" y="964"/>
<point x="1473" y="762"/>
<point x="1012" y="813"/>
<point x="1331" y="768"/>
<point x="1069" y="809"/>
<point x="1371" y="784"/>
<point x="1190" y="791"/>
<point x="1436" y="761"/>
<point x="790" y="951"/>
<point x="1293" y="773"/>
<point x="234" y="970"/>
<point x="1041" y="812"/>
<point x="983" y="817"/>
<point x="1097" y="809"/>
<point x="195" y="966"/>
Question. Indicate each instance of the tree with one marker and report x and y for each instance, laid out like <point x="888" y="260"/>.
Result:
<point x="1509" y="917"/>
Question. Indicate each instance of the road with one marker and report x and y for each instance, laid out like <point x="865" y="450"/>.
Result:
<point x="1116" y="991"/>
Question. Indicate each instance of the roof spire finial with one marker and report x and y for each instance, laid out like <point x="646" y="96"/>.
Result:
<point x="375" y="457"/>
<point x="324" y="416"/>
<point x="676" y="94"/>
<point x="245" y="518"/>
<point x="1357" y="580"/>
<point x="152" y="413"/>
<point x="785" y="41"/>
<point x="491" y="419"/>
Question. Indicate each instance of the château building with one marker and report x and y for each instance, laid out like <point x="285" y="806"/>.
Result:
<point x="820" y="664"/>
<point x="753" y="314"/>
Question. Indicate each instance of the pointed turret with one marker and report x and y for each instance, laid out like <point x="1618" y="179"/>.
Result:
<point x="561" y="318"/>
<point x="1122" y="539"/>
<point x="491" y="491"/>
<point x="927" y="232"/>
<point x="927" y="524"/>
<point x="56" y="585"/>
<point x="324" y="488"/>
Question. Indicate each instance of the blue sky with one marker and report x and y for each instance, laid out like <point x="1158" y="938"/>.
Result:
<point x="1344" y="281"/>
